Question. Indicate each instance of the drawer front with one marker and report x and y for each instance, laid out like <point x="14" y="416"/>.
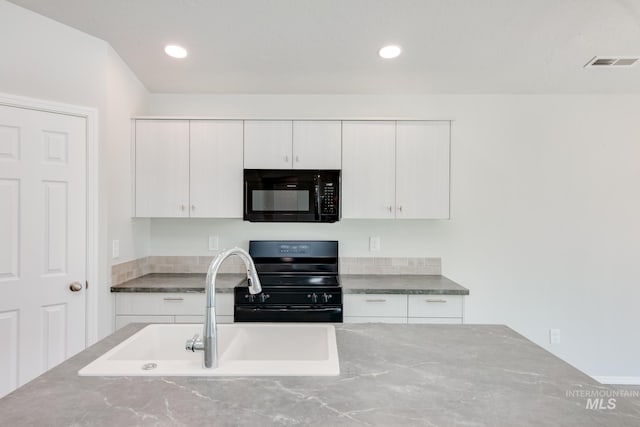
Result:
<point x="224" y="305"/>
<point x="435" y="306"/>
<point x="375" y="305"/>
<point x="160" y="304"/>
<point x="438" y="320"/>
<point x="371" y="319"/>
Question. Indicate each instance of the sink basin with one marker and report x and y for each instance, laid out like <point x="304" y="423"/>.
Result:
<point x="244" y="349"/>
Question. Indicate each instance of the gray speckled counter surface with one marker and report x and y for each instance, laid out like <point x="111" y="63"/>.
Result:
<point x="179" y="282"/>
<point x="400" y="284"/>
<point x="391" y="375"/>
<point x="351" y="284"/>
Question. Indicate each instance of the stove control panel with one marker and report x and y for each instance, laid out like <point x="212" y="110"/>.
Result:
<point x="294" y="249"/>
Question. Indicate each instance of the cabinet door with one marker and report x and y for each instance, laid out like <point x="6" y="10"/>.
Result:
<point x="267" y="144"/>
<point x="368" y="169"/>
<point x="216" y="169"/>
<point x="422" y="169"/>
<point x="162" y="168"/>
<point x="317" y="144"/>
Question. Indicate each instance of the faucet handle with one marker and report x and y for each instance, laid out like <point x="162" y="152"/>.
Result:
<point x="194" y="344"/>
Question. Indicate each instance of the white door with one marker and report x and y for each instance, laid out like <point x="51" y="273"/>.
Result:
<point x="422" y="169"/>
<point x="42" y="242"/>
<point x="368" y="169"/>
<point x="162" y="168"/>
<point x="216" y="169"/>
<point x="267" y="144"/>
<point x="317" y="144"/>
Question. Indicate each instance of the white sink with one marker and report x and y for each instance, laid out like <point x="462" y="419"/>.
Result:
<point x="244" y="349"/>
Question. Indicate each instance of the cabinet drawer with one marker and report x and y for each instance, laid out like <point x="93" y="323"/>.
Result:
<point x="160" y="303"/>
<point x="370" y="319"/>
<point x="435" y="306"/>
<point x="375" y="305"/>
<point x="224" y="305"/>
<point x="436" y="320"/>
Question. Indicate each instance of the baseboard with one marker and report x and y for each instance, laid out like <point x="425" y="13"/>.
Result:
<point x="618" y="380"/>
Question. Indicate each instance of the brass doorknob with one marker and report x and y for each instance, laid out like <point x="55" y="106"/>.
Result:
<point x="75" y="286"/>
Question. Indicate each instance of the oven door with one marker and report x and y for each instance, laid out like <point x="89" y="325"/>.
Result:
<point x="280" y="196"/>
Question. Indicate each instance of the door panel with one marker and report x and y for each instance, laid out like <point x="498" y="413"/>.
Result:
<point x="422" y="169"/>
<point x="8" y="351"/>
<point x="162" y="168"/>
<point x="216" y="169"/>
<point x="42" y="241"/>
<point x="317" y="144"/>
<point x="268" y="144"/>
<point x="368" y="169"/>
<point x="9" y="229"/>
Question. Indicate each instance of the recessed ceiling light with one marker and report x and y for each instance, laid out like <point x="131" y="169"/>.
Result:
<point x="175" y="51"/>
<point x="389" y="52"/>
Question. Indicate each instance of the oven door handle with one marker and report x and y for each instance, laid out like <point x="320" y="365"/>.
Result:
<point x="298" y="308"/>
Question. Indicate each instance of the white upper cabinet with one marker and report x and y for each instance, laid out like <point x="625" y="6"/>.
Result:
<point x="188" y="168"/>
<point x="317" y="144"/>
<point x="216" y="169"/>
<point x="162" y="168"/>
<point x="422" y="169"/>
<point x="395" y="169"/>
<point x="368" y="169"/>
<point x="286" y="144"/>
<point x="267" y="144"/>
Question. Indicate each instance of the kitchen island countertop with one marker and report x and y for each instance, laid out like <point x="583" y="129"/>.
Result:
<point x="436" y="375"/>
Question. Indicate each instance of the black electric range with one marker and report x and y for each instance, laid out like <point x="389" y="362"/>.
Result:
<point x="300" y="283"/>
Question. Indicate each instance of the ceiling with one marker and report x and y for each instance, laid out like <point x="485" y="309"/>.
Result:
<point x="330" y="46"/>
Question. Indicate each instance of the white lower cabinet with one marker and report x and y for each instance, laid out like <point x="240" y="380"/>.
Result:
<point x="169" y="308"/>
<point x="384" y="308"/>
<point x="399" y="308"/>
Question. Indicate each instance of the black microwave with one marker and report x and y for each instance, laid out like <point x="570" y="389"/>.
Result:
<point x="291" y="195"/>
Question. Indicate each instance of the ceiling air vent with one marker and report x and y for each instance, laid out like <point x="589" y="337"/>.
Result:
<point x="609" y="62"/>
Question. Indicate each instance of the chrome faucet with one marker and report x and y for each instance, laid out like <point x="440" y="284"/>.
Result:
<point x="208" y="341"/>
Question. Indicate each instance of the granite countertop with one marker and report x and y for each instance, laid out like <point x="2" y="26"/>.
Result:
<point x="351" y="284"/>
<point x="400" y="284"/>
<point x="435" y="375"/>
<point x="179" y="282"/>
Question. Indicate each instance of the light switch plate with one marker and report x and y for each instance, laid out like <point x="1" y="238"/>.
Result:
<point x="374" y="244"/>
<point x="213" y="243"/>
<point x="554" y="336"/>
<point x="115" y="249"/>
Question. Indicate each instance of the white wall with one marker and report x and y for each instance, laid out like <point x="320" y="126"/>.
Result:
<point x="544" y="211"/>
<point x="46" y="60"/>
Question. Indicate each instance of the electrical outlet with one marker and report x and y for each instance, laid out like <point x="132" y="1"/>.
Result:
<point x="554" y="336"/>
<point x="374" y="244"/>
<point x="115" y="248"/>
<point x="213" y="243"/>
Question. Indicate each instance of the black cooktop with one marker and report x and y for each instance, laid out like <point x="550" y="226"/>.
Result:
<point x="298" y="280"/>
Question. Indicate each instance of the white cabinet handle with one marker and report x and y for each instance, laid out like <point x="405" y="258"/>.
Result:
<point x="297" y="159"/>
<point x="182" y="207"/>
<point x="193" y="207"/>
<point x="436" y="300"/>
<point x="390" y="209"/>
<point x="400" y="209"/>
<point x="173" y="299"/>
<point x="376" y="300"/>
<point x="286" y="159"/>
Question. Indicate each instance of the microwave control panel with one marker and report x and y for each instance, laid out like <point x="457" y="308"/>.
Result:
<point x="329" y="199"/>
